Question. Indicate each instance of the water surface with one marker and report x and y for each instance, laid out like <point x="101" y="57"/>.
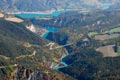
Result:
<point x="50" y="29"/>
<point x="33" y="15"/>
<point x="106" y="6"/>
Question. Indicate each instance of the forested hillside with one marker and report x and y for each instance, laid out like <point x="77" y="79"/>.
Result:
<point x="23" y="54"/>
<point x="82" y="42"/>
<point x="95" y="52"/>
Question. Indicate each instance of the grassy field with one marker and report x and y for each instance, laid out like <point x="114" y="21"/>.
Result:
<point x="109" y="31"/>
<point x="106" y="36"/>
<point x="107" y="51"/>
<point x="113" y="30"/>
<point x="118" y="50"/>
<point x="92" y="33"/>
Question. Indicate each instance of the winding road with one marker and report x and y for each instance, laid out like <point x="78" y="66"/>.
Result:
<point x="51" y="44"/>
<point x="14" y="65"/>
<point x="31" y="55"/>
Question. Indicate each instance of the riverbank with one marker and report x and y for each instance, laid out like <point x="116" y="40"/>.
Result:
<point x="47" y="31"/>
<point x="14" y="19"/>
<point x="62" y="64"/>
<point x="37" y="12"/>
<point x="47" y="12"/>
<point x="40" y="12"/>
<point x="45" y="34"/>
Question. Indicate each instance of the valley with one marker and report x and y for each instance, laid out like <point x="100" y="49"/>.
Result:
<point x="92" y="43"/>
<point x="59" y="40"/>
<point x="20" y="47"/>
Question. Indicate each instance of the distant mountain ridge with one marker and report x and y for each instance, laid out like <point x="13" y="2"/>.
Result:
<point x="42" y="5"/>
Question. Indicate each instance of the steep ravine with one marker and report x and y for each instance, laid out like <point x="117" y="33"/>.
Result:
<point x="38" y="31"/>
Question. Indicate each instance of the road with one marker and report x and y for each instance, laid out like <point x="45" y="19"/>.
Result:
<point x="63" y="46"/>
<point x="31" y="55"/>
<point x="51" y="44"/>
<point x="15" y="65"/>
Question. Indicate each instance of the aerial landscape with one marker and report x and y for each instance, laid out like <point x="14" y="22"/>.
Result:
<point x="59" y="40"/>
